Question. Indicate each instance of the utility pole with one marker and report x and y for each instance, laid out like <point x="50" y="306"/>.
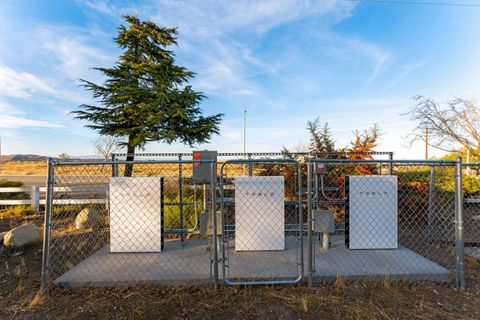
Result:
<point x="426" y="143"/>
<point x="245" y="132"/>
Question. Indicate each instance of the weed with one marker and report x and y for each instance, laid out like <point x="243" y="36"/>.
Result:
<point x="339" y="283"/>
<point x="37" y="299"/>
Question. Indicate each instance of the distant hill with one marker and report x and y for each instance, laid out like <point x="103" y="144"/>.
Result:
<point x="35" y="157"/>
<point x="23" y="157"/>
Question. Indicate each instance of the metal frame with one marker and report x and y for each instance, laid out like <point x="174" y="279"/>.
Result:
<point x="459" y="233"/>
<point x="47" y="225"/>
<point x="301" y="230"/>
<point x="249" y="155"/>
<point x="220" y="257"/>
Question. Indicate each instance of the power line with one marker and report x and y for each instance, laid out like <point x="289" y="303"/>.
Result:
<point x="429" y="3"/>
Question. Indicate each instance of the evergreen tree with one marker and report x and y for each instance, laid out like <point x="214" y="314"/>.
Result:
<point x="320" y="139"/>
<point x="327" y="141"/>
<point x="316" y="143"/>
<point x="145" y="96"/>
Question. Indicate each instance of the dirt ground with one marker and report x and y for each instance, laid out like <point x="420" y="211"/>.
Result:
<point x="20" y="283"/>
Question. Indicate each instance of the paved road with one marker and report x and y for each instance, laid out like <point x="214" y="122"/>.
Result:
<point x="27" y="180"/>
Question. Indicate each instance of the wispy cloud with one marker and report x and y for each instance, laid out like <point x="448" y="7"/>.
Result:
<point x="74" y="55"/>
<point x="18" y="84"/>
<point x="13" y="122"/>
<point x="407" y="70"/>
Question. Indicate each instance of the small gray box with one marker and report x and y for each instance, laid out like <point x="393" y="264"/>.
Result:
<point x="202" y="172"/>
<point x="206" y="223"/>
<point x="324" y="221"/>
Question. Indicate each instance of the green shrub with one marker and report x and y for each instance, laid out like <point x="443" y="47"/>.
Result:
<point x="10" y="184"/>
<point x="67" y="210"/>
<point x="12" y="195"/>
<point x="471" y="184"/>
<point x="22" y="210"/>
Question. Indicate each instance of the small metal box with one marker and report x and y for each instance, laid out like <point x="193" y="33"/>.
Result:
<point x="202" y="172"/>
<point x="324" y="221"/>
<point x="206" y="223"/>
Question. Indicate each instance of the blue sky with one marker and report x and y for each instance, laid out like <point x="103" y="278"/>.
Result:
<point x="285" y="62"/>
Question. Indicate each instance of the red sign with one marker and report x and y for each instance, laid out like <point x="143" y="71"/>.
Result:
<point x="196" y="156"/>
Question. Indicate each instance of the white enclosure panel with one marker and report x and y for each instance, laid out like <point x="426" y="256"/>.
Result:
<point x="373" y="217"/>
<point x="259" y="213"/>
<point x="135" y="214"/>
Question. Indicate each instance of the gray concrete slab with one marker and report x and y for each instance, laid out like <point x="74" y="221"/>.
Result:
<point x="400" y="263"/>
<point x="191" y="264"/>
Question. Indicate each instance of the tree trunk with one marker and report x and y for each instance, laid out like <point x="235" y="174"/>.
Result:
<point x="130" y="157"/>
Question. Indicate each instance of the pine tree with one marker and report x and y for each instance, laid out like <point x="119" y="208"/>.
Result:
<point x="327" y="141"/>
<point x="320" y="139"/>
<point x="316" y="143"/>
<point x="145" y="96"/>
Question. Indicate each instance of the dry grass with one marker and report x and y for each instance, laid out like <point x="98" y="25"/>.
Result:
<point x="20" y="298"/>
<point x="24" y="168"/>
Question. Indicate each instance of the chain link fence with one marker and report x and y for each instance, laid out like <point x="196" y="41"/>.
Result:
<point x="471" y="214"/>
<point x="107" y="229"/>
<point x="257" y="221"/>
<point x="395" y="219"/>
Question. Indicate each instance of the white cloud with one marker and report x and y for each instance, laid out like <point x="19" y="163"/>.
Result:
<point x="407" y="70"/>
<point x="13" y="122"/>
<point x="75" y="56"/>
<point x="21" y="84"/>
<point x="6" y="108"/>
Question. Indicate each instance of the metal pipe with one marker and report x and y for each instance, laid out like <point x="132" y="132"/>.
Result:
<point x="222" y="208"/>
<point x="87" y="163"/>
<point x="250" y="168"/>
<point x="459" y="239"/>
<point x="310" y="225"/>
<point x="300" y="213"/>
<point x="239" y="154"/>
<point x="114" y="166"/>
<point x="390" y="165"/>
<point x="180" y="195"/>
<point x="360" y="161"/>
<point x="430" y="204"/>
<point x="214" y="233"/>
<point x="47" y="228"/>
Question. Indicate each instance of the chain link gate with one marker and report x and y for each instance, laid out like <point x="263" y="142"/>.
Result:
<point x="262" y="221"/>
<point x="372" y="219"/>
<point x="150" y="227"/>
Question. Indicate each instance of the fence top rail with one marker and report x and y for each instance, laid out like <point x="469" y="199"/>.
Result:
<point x="116" y="162"/>
<point x="247" y="161"/>
<point x="242" y="154"/>
<point x="471" y="164"/>
<point x="402" y="162"/>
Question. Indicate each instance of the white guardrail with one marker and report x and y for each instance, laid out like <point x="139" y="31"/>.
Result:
<point x="37" y="195"/>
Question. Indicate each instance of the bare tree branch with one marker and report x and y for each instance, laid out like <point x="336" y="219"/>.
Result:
<point x="106" y="145"/>
<point x="452" y="128"/>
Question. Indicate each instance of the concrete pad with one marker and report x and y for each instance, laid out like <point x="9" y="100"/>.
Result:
<point x="191" y="264"/>
<point x="400" y="263"/>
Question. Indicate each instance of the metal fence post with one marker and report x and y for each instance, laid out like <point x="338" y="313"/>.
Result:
<point x="214" y="231"/>
<point x="47" y="225"/>
<point x="114" y="166"/>
<point x="180" y="197"/>
<point x="390" y="164"/>
<point x="459" y="239"/>
<point x="430" y="203"/>
<point x="250" y="169"/>
<point x="310" y="227"/>
<point x="300" y="213"/>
